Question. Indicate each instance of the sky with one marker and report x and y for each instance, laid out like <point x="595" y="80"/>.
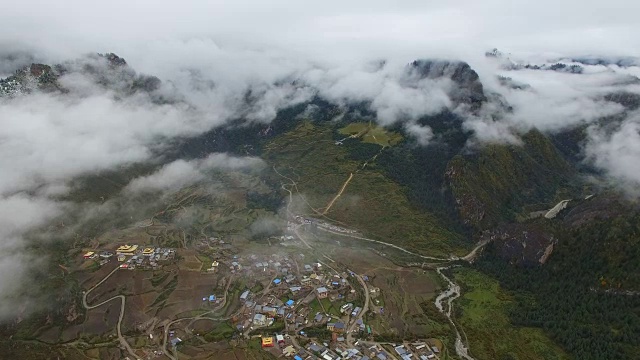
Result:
<point x="212" y="52"/>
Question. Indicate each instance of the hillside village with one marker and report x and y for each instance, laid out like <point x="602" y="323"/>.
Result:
<point x="294" y="303"/>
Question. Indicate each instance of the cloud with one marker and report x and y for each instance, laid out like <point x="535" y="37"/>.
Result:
<point x="422" y="134"/>
<point x="181" y="173"/>
<point x="242" y="59"/>
<point x="19" y="214"/>
<point x="617" y="152"/>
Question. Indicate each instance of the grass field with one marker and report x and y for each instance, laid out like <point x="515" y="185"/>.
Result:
<point x="371" y="203"/>
<point x="372" y="134"/>
<point x="485" y="321"/>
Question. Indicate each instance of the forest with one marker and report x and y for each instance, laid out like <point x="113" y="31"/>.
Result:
<point x="587" y="296"/>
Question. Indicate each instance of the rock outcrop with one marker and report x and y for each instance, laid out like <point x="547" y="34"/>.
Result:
<point x="468" y="88"/>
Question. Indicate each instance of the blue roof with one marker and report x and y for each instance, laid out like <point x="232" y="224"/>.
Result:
<point x="290" y="302"/>
<point x="212" y="298"/>
<point x="277" y="281"/>
<point x="297" y="357"/>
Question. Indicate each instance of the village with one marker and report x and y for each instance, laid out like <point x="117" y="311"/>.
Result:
<point x="313" y="309"/>
<point x="133" y="256"/>
<point x="295" y="301"/>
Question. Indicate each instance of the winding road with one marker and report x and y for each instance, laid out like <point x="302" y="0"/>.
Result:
<point x="450" y="294"/>
<point x="121" y="338"/>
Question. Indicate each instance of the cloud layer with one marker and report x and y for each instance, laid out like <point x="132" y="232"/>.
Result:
<point x="248" y="59"/>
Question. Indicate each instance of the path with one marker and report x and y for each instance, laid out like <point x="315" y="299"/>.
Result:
<point x="386" y="244"/>
<point x="344" y="186"/>
<point x="194" y="319"/>
<point x="474" y="253"/>
<point x="364" y="309"/>
<point x="121" y="338"/>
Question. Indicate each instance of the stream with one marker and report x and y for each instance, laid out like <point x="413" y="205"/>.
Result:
<point x="449" y="295"/>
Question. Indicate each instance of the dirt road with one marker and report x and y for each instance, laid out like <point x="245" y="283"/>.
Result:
<point x="121" y="338"/>
<point x="365" y="308"/>
<point x="344" y="186"/>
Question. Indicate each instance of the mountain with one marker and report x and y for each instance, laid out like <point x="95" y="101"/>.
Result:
<point x="496" y="183"/>
<point x="468" y="88"/>
<point x="573" y="274"/>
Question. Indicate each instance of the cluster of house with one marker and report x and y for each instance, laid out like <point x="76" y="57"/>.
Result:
<point x="313" y="283"/>
<point x="413" y="351"/>
<point x="263" y="314"/>
<point x="332" y="227"/>
<point x="104" y="256"/>
<point x="131" y="256"/>
<point x="416" y="350"/>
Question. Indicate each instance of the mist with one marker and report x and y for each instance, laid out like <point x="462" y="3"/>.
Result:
<point x="210" y="55"/>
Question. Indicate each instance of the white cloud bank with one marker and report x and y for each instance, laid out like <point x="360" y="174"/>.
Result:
<point x="181" y="173"/>
<point x="215" y="52"/>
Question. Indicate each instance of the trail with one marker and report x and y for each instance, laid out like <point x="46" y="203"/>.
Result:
<point x="386" y="244"/>
<point x="449" y="295"/>
<point x="344" y="186"/>
<point x="364" y="309"/>
<point x="121" y="338"/>
<point x="474" y="253"/>
<point x="194" y="319"/>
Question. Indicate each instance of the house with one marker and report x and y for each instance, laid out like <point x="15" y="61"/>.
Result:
<point x="89" y="255"/>
<point x="336" y="327"/>
<point x="322" y="292"/>
<point x="280" y="339"/>
<point x="147" y="251"/>
<point x="356" y="311"/>
<point x="308" y="268"/>
<point x="318" y="317"/>
<point x="267" y="341"/>
<point x="212" y="298"/>
<point x="269" y="310"/>
<point x="121" y="257"/>
<point x="400" y="350"/>
<point x="288" y="351"/>
<point x="106" y="254"/>
<point x="346" y="307"/>
<point x="277" y="281"/>
<point x="259" y="320"/>
<point x="127" y="249"/>
<point x="244" y="296"/>
<point x="290" y="303"/>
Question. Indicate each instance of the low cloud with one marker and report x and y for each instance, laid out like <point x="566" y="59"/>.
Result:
<point x="181" y="173"/>
<point x="617" y="152"/>
<point x="422" y="134"/>
<point x="240" y="60"/>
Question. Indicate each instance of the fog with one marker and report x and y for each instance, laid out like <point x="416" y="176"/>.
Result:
<point x="209" y="54"/>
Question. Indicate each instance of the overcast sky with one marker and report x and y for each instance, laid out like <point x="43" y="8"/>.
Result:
<point x="329" y="29"/>
<point x="331" y="46"/>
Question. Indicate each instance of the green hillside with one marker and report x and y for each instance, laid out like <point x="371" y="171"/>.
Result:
<point x="495" y="183"/>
